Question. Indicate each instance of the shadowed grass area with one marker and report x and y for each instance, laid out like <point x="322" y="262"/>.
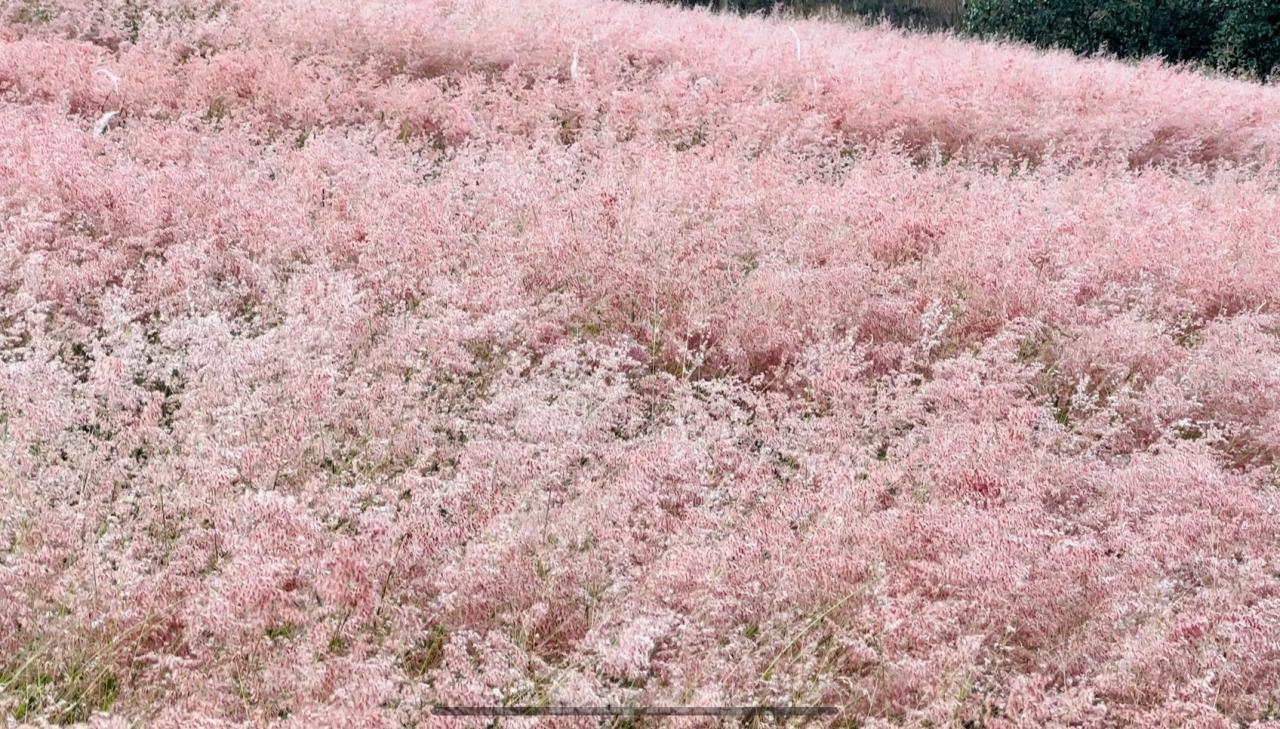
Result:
<point x="68" y="696"/>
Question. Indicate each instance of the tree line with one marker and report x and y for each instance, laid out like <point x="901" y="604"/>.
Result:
<point x="1239" y="36"/>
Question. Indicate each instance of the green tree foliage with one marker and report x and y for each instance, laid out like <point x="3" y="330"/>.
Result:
<point x="1235" y="35"/>
<point x="1242" y="36"/>
<point x="1249" y="38"/>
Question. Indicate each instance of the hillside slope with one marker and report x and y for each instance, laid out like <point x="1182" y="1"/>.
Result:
<point x="382" y="355"/>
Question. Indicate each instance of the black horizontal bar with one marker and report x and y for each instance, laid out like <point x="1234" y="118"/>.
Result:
<point x="635" y="711"/>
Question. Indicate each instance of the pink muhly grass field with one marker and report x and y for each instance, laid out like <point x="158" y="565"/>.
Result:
<point x="387" y="354"/>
